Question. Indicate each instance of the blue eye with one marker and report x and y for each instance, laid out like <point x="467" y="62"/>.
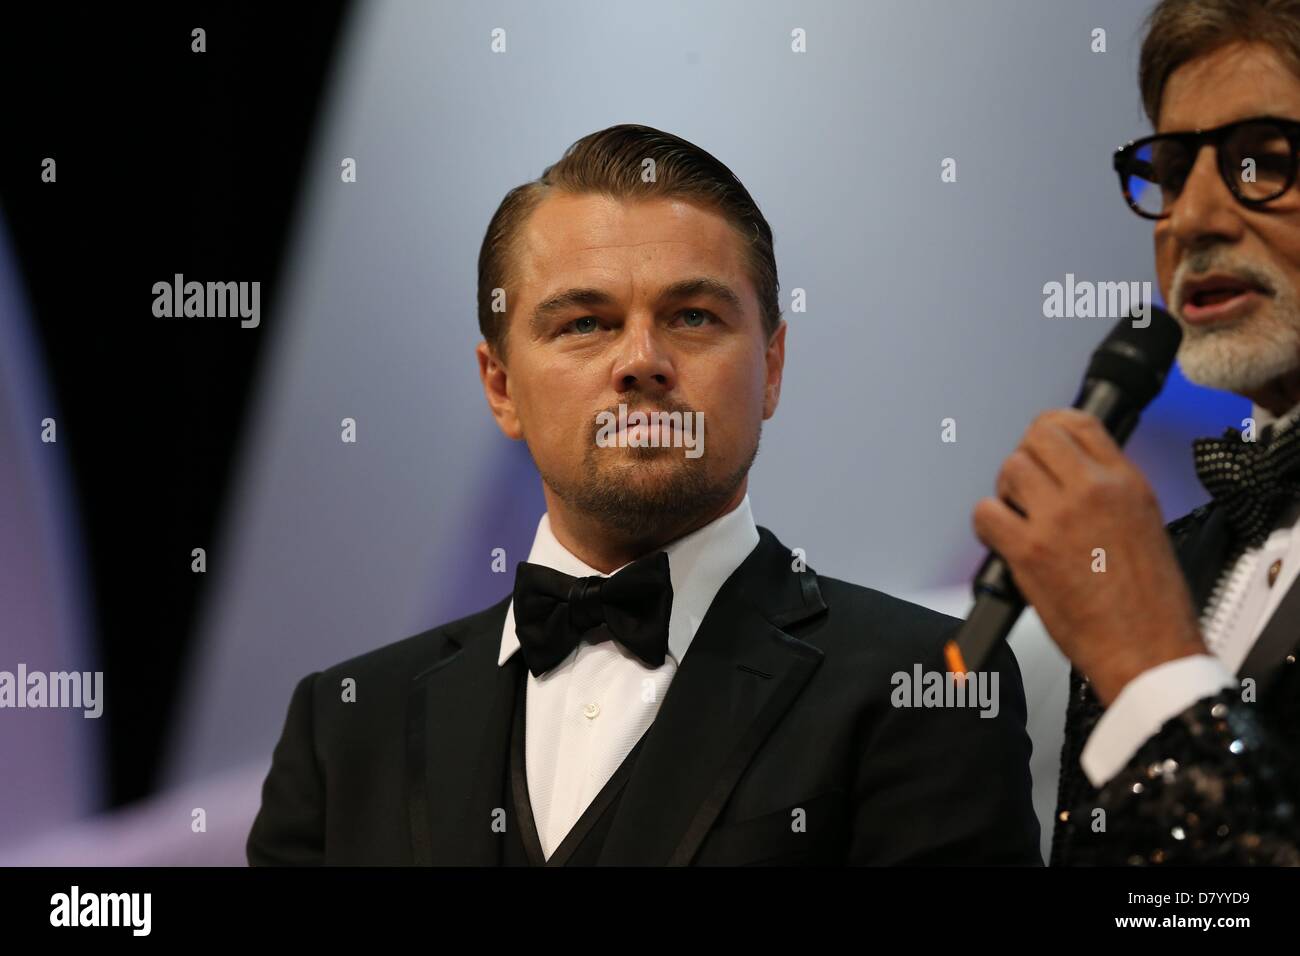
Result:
<point x="576" y="323"/>
<point x="699" y="312"/>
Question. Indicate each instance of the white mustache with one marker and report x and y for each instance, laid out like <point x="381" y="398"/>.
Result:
<point x="1196" y="267"/>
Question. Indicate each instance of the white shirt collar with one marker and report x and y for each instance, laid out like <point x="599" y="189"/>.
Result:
<point x="1264" y="417"/>
<point x="698" y="564"/>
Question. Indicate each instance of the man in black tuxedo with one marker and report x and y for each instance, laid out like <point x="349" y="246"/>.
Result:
<point x="668" y="683"/>
<point x="1182" y="735"/>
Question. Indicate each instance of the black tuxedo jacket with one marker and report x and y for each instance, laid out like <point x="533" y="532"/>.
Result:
<point x="1220" y="782"/>
<point x="782" y="702"/>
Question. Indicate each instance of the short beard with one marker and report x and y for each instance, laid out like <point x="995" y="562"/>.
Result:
<point x="1242" y="359"/>
<point x="1252" y="352"/>
<point x="638" y="510"/>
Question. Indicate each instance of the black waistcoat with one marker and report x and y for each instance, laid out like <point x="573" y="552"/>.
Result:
<point x="581" y="846"/>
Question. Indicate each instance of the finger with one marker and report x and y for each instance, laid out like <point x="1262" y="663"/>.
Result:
<point x="1088" y="432"/>
<point x="997" y="526"/>
<point x="1023" y="483"/>
<point x="1056" y="451"/>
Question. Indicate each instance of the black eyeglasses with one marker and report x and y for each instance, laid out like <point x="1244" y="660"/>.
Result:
<point x="1256" y="157"/>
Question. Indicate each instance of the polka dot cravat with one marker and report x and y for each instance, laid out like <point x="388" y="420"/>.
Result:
<point x="1251" y="480"/>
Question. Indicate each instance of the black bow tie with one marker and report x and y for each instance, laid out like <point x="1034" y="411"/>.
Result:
<point x="1252" y="480"/>
<point x="555" y="611"/>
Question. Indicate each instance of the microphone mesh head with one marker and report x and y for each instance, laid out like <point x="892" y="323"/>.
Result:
<point x="1137" y="358"/>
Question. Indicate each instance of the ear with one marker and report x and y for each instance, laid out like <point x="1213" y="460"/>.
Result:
<point x="775" y="366"/>
<point x="496" y="388"/>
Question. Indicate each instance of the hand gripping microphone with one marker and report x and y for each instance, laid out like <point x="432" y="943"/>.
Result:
<point x="1126" y="372"/>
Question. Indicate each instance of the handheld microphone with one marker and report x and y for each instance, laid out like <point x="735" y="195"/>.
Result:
<point x="1127" y="371"/>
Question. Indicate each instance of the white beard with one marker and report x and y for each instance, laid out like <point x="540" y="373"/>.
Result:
<point x="1243" y="358"/>
<point x="1252" y="351"/>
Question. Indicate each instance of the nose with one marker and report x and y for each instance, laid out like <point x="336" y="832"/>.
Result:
<point x="1205" y="211"/>
<point x="643" y="361"/>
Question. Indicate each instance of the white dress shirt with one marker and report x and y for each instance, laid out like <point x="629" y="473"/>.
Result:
<point x="1238" y="609"/>
<point x="584" y="716"/>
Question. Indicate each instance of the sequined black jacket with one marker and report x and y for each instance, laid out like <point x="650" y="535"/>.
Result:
<point x="1218" y="784"/>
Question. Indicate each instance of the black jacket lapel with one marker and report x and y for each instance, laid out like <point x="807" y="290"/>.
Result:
<point x="737" y="680"/>
<point x="458" y="737"/>
<point x="1203" y="551"/>
<point x="1281" y="633"/>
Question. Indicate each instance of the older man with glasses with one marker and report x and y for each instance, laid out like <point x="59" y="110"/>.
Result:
<point x="1182" y="740"/>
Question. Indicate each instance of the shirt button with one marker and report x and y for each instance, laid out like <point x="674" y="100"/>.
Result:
<point x="1273" y="570"/>
<point x="591" y="711"/>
